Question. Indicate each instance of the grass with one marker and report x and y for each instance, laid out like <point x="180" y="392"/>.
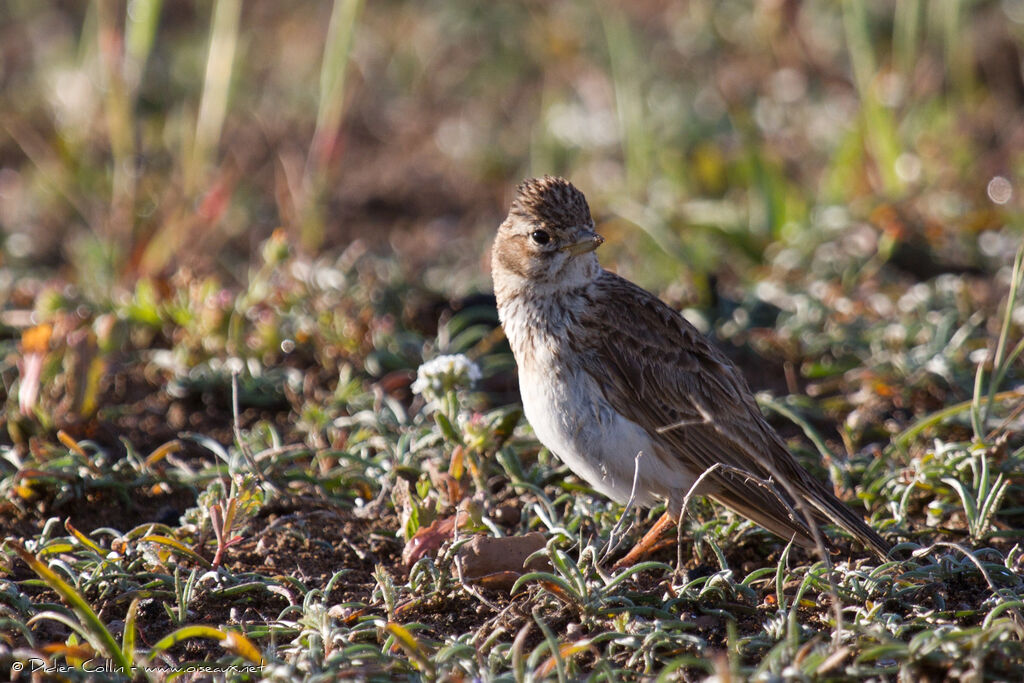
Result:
<point x="240" y="242"/>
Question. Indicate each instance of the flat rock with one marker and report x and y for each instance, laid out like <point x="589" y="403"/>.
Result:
<point x="498" y="562"/>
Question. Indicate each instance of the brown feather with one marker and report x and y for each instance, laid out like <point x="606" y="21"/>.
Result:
<point x="655" y="368"/>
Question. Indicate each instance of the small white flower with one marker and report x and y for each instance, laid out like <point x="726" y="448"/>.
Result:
<point x="438" y="376"/>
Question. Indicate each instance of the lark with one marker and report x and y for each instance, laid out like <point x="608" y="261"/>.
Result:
<point x="607" y="370"/>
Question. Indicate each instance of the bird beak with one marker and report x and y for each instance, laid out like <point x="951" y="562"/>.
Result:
<point x="587" y="242"/>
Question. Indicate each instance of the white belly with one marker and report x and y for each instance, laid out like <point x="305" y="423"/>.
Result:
<point x="571" y="417"/>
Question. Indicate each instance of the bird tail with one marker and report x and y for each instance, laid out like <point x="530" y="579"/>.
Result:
<point x="833" y="511"/>
<point x="787" y="520"/>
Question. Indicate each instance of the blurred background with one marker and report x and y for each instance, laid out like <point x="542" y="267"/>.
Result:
<point x="139" y="137"/>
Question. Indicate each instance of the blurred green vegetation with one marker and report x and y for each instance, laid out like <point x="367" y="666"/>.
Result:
<point x="141" y="137"/>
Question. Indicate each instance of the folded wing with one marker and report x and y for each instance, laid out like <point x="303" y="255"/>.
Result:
<point x="659" y="371"/>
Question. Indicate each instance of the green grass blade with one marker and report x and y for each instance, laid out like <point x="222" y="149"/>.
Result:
<point x="139" y="33"/>
<point x="967" y="499"/>
<point x="83" y="539"/>
<point x="780" y="576"/>
<point x="879" y="127"/>
<point x="903" y="439"/>
<point x="213" y="104"/>
<point x="177" y="547"/>
<point x="130" y="632"/>
<point x="93" y="628"/>
<point x="1001" y="363"/>
<point x="627" y="66"/>
<point x="333" y="71"/>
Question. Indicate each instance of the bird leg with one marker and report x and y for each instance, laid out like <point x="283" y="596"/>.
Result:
<point x="647" y="544"/>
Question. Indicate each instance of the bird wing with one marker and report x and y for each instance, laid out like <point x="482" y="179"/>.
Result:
<point x="658" y="370"/>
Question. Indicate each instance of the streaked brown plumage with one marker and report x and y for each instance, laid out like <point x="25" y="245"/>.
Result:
<point x="606" y="369"/>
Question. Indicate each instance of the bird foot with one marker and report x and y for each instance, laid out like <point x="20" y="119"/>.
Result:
<point x="648" y="544"/>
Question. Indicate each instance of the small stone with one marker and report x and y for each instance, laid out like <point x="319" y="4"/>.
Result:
<point x="177" y="416"/>
<point x="706" y="622"/>
<point x="507" y="515"/>
<point x="498" y="562"/>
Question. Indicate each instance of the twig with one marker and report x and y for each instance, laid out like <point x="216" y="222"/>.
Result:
<point x="612" y="542"/>
<point x="236" y="426"/>
<point x="766" y="484"/>
<point x="1005" y="423"/>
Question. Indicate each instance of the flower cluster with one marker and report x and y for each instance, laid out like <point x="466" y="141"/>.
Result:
<point x="437" y="377"/>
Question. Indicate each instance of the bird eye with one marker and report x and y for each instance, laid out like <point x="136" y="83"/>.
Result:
<point x="540" y="236"/>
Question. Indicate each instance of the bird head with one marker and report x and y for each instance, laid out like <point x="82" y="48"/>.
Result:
<point x="548" y="238"/>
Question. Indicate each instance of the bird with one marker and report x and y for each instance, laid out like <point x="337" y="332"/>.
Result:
<point x="608" y="371"/>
